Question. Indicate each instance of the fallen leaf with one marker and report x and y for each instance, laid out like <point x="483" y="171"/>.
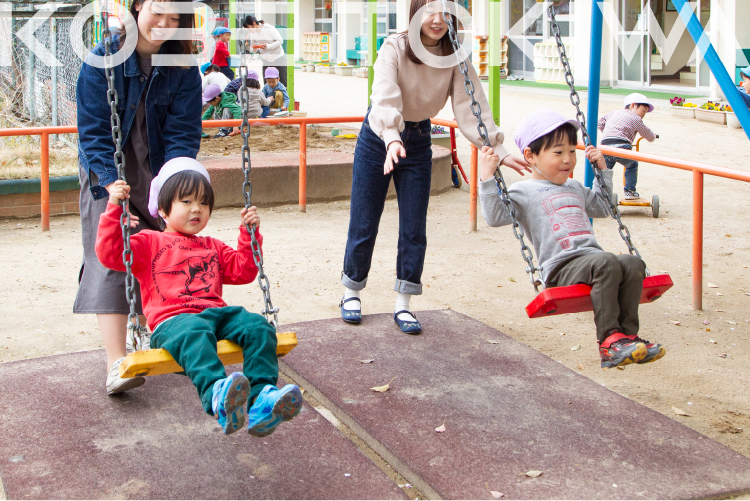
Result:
<point x="511" y="279"/>
<point x="368" y="361"/>
<point x="712" y="286"/>
<point x="533" y="473"/>
<point x="620" y="367"/>
<point x="705" y="322"/>
<point x="491" y="341"/>
<point x="576" y="347"/>
<point x="727" y="235"/>
<point x="730" y="322"/>
<point x="384" y="388"/>
<point x="495" y="494"/>
<point x="724" y="355"/>
<point x="679" y="412"/>
<point x="580" y="365"/>
<point x="676" y="322"/>
<point x="708" y="329"/>
<point x="441" y="428"/>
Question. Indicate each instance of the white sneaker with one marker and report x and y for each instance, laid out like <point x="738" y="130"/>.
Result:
<point x="116" y="384"/>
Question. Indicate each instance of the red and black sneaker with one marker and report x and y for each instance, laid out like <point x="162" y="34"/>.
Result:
<point x="619" y="349"/>
<point x="654" y="351"/>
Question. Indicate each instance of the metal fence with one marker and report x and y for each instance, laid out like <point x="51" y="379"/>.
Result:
<point x="33" y="93"/>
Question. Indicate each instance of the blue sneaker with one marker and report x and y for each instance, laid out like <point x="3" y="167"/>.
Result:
<point x="272" y="407"/>
<point x="229" y="401"/>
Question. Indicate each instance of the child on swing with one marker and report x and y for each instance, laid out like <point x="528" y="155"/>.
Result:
<point x="554" y="210"/>
<point x="181" y="276"/>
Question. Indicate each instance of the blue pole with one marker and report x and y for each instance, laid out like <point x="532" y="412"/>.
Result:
<point x="595" y="72"/>
<point x="717" y="67"/>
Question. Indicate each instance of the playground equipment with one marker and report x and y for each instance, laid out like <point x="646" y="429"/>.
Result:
<point x="555" y="300"/>
<point x="154" y="362"/>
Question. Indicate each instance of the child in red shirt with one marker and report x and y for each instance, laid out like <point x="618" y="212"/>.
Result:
<point x="221" y="53"/>
<point x="181" y="276"/>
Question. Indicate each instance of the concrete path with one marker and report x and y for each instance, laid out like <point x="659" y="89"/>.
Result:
<point x="507" y="410"/>
<point x="62" y="438"/>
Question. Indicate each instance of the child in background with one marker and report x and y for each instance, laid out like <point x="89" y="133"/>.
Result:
<point x="274" y="88"/>
<point x="620" y="128"/>
<point x="182" y="276"/>
<point x="213" y="75"/>
<point x="222" y="106"/>
<point x="221" y="53"/>
<point x="744" y="86"/>
<point x="554" y="212"/>
<point x="258" y="103"/>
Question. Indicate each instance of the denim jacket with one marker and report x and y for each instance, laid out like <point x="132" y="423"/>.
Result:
<point x="173" y="114"/>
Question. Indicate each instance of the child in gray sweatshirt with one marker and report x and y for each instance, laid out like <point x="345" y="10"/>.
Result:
<point x="554" y="211"/>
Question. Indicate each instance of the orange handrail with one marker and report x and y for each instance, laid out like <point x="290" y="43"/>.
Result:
<point x="698" y="169"/>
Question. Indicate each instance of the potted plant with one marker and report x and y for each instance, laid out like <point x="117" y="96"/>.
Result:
<point x="680" y="108"/>
<point x="343" y="69"/>
<point x="325" y="68"/>
<point x="732" y="120"/>
<point x="711" y="112"/>
<point x="440" y="136"/>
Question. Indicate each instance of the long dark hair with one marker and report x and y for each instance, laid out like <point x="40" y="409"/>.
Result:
<point x="445" y="42"/>
<point x="187" y="20"/>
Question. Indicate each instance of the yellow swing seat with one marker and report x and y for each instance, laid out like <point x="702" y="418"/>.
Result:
<point x="157" y="362"/>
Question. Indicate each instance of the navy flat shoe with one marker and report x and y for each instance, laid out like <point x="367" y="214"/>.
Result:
<point x="408" y="327"/>
<point x="351" y="316"/>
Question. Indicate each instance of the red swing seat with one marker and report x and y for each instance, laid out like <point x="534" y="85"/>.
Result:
<point x="577" y="298"/>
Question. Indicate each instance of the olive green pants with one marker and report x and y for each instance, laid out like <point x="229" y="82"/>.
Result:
<point x="191" y="340"/>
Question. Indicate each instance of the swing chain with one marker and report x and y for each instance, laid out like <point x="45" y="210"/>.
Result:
<point x="581" y="118"/>
<point x="476" y="110"/>
<point x="247" y="190"/>
<point x="136" y="332"/>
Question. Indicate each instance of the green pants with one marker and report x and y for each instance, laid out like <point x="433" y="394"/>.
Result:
<point x="616" y="284"/>
<point x="191" y="340"/>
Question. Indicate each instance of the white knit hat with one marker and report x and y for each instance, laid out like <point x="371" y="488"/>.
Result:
<point x="169" y="169"/>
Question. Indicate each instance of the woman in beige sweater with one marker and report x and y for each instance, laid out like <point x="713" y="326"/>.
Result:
<point x="395" y="142"/>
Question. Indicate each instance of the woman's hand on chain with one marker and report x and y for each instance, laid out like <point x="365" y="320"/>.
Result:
<point x="518" y="164"/>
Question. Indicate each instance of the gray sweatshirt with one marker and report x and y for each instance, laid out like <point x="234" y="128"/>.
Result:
<point x="554" y="217"/>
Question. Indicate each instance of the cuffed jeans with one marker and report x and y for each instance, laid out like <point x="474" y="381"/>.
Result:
<point x="631" y="166"/>
<point x="616" y="284"/>
<point x="191" y="340"/>
<point x="412" y="177"/>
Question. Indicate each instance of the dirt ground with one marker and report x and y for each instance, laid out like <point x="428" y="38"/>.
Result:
<point x="275" y="138"/>
<point x="706" y="372"/>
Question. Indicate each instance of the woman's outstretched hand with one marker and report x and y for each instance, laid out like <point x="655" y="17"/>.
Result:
<point x="395" y="150"/>
<point x="518" y="164"/>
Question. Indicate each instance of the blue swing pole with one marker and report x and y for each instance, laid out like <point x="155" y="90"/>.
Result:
<point x="717" y="67"/>
<point x="595" y="71"/>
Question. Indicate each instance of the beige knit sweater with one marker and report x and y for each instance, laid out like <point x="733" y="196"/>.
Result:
<point x="405" y="91"/>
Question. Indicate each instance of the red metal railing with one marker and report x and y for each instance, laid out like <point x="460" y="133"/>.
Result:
<point x="698" y="169"/>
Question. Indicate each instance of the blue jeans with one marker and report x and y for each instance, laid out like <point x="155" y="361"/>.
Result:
<point x="266" y="111"/>
<point x="631" y="166"/>
<point x="412" y="178"/>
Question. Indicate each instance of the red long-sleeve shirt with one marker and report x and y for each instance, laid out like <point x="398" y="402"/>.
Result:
<point x="221" y="53"/>
<point x="178" y="273"/>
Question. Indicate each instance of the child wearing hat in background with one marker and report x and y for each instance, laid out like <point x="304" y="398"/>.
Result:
<point x="554" y="211"/>
<point x="222" y="106"/>
<point x="182" y="276"/>
<point x="744" y="86"/>
<point x="221" y="52"/>
<point x="274" y="88"/>
<point x="257" y="101"/>
<point x="212" y="75"/>
<point x="620" y="128"/>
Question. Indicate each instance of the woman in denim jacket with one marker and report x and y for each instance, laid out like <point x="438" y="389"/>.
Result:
<point x="160" y="116"/>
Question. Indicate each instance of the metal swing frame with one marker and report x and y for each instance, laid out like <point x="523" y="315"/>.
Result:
<point x="554" y="300"/>
<point x="153" y="362"/>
